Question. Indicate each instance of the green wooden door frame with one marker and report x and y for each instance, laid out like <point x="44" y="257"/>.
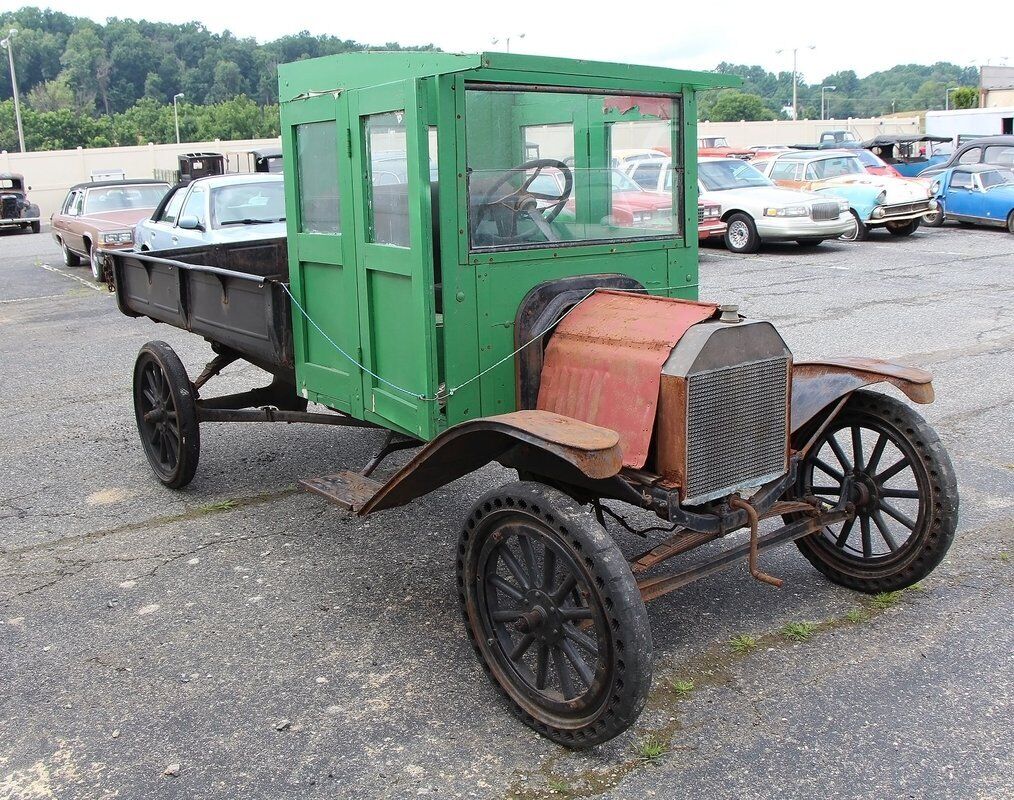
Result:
<point x="395" y="283"/>
<point x="321" y="265"/>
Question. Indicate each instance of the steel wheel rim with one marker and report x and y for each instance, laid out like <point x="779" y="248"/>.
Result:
<point x="158" y="418"/>
<point x="887" y="483"/>
<point x="739" y="235"/>
<point x="538" y="621"/>
<point x="852" y="233"/>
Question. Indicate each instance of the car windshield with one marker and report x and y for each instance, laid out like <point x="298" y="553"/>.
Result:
<point x="834" y="167"/>
<point x="870" y="159"/>
<point x="123" y="198"/>
<point x="8" y="183"/>
<point x="714" y="141"/>
<point x="729" y="174"/>
<point x="996" y="177"/>
<point x="248" y="204"/>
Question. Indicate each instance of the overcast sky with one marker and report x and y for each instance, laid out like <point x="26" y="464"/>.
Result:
<point x="677" y="33"/>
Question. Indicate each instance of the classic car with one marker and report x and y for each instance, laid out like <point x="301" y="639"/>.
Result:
<point x="995" y="150"/>
<point x="908" y="153"/>
<point x="102" y="214"/>
<point x="976" y="194"/>
<point x="874" y="164"/>
<point x="216" y="209"/>
<point x="16" y="211"/>
<point x="710" y="224"/>
<point x="753" y="208"/>
<point x="897" y="204"/>
<point x="710" y="146"/>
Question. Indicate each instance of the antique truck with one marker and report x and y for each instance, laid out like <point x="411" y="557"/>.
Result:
<point x="16" y="210"/>
<point x="425" y="288"/>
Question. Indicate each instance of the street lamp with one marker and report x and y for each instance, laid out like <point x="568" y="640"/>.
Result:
<point x="947" y="97"/>
<point x="176" y="115"/>
<point x="8" y="45"/>
<point x="507" y="40"/>
<point x="795" y="103"/>
<point x="822" y="89"/>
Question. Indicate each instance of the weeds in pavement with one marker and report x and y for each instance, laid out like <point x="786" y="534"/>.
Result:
<point x="886" y="600"/>
<point x="222" y="505"/>
<point x="651" y="748"/>
<point x="743" y="643"/>
<point x="681" y="688"/>
<point x="855" y="615"/>
<point x="798" y="631"/>
<point x="557" y="786"/>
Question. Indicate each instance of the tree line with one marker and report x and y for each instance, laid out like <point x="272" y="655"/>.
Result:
<point x="85" y="84"/>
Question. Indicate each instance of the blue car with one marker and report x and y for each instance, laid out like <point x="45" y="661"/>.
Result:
<point x="978" y="194"/>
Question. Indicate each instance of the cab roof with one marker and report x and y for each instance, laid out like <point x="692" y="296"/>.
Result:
<point x="332" y="74"/>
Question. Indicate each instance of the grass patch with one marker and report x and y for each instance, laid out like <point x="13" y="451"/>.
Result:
<point x="681" y="688"/>
<point x="651" y="748"/>
<point x="743" y="643"/>
<point x="556" y="786"/>
<point x="214" y="508"/>
<point x="1004" y="557"/>
<point x="886" y="600"/>
<point x="855" y="615"/>
<point x="798" y="631"/>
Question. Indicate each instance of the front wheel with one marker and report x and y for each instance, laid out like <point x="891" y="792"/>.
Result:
<point x="1010" y="222"/>
<point x="36" y="227"/>
<point x="858" y="232"/>
<point x="166" y="413"/>
<point x="899" y="477"/>
<point x="554" y="614"/>
<point x="741" y="234"/>
<point x="935" y="218"/>
<point x="95" y="261"/>
<point x="906" y="228"/>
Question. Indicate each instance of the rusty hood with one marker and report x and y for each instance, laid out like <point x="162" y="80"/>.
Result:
<point x="604" y="363"/>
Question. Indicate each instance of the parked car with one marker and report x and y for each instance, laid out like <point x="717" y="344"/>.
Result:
<point x="767" y="150"/>
<point x="102" y="214"/>
<point x="712" y="146"/>
<point x="622" y="157"/>
<point x="908" y="153"/>
<point x="710" y="224"/>
<point x="16" y="211"/>
<point x="874" y="164"/>
<point x="977" y="194"/>
<point x="216" y="209"/>
<point x="753" y="208"/>
<point x="897" y="204"/>
<point x="995" y="150"/>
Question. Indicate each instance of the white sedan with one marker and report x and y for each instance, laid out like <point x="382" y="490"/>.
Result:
<point x="754" y="208"/>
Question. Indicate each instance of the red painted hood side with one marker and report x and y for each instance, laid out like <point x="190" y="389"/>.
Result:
<point x="604" y="363"/>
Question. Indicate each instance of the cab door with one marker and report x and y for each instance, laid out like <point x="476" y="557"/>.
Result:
<point x="394" y="256"/>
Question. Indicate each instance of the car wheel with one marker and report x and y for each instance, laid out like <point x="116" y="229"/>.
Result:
<point x="935" y="218"/>
<point x="858" y="232"/>
<point x="96" y="264"/>
<point x="906" y="228"/>
<point x="1010" y="222"/>
<point x="741" y="234"/>
<point x="70" y="259"/>
<point x="36" y="227"/>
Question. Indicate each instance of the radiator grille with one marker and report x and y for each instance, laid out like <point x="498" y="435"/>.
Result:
<point x="737" y="428"/>
<point x="906" y="208"/>
<point x="9" y="207"/>
<point x="700" y="213"/>
<point x="820" y="212"/>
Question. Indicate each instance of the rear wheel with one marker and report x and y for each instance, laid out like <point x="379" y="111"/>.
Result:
<point x="900" y="479"/>
<point x="70" y="259"/>
<point x="741" y="234"/>
<point x="936" y="217"/>
<point x="166" y="413"/>
<point x="554" y="614"/>
<point x="906" y="228"/>
<point x="858" y="232"/>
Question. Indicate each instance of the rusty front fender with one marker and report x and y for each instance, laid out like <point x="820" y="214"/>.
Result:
<point x="818" y="384"/>
<point x="592" y="450"/>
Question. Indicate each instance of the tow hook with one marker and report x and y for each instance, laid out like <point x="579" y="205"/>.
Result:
<point x="738" y="502"/>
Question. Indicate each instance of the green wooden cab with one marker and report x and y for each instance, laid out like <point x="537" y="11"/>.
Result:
<point x="428" y="193"/>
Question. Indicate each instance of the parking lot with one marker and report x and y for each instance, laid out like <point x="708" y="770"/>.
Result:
<point x="259" y="643"/>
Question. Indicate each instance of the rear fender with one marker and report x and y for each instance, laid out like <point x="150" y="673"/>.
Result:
<point x="592" y="451"/>
<point x="817" y="385"/>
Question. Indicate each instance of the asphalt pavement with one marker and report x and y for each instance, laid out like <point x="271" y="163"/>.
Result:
<point x="242" y="639"/>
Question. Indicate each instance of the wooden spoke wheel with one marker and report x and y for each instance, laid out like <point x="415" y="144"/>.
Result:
<point x="554" y="614"/>
<point x="166" y="412"/>
<point x="896" y="473"/>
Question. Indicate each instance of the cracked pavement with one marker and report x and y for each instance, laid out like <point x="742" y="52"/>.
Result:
<point x="275" y="647"/>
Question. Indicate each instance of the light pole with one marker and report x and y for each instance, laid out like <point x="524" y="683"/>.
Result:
<point x="176" y="115"/>
<point x="795" y="73"/>
<point x="507" y="40"/>
<point x="822" y="90"/>
<point x="9" y="46"/>
<point x="947" y="97"/>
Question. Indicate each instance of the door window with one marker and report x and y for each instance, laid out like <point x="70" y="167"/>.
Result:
<point x="961" y="180"/>
<point x="317" y="177"/>
<point x="68" y="204"/>
<point x="1002" y="155"/>
<point x="194" y="206"/>
<point x="786" y="171"/>
<point x="77" y="204"/>
<point x="171" y="211"/>
<point x="646" y="175"/>
<point x="970" y="156"/>
<point x="388" y="178"/>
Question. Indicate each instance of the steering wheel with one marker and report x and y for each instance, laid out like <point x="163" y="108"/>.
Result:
<point x="505" y="208"/>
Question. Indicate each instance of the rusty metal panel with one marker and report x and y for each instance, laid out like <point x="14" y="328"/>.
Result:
<point x="603" y="365"/>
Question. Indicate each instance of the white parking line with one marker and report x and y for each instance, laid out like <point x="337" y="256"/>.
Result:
<point x="82" y="281"/>
<point x="27" y="299"/>
<point x="763" y="260"/>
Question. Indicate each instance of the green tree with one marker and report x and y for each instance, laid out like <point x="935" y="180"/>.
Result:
<point x="965" y="97"/>
<point x="733" y="105"/>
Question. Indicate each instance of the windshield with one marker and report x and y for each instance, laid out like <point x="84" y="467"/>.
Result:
<point x="248" y="204"/>
<point x="123" y="198"/>
<point x="714" y="141"/>
<point x="729" y="174"/>
<point x="834" y="168"/>
<point x="996" y="177"/>
<point x="9" y="183"/>
<point x="870" y="159"/>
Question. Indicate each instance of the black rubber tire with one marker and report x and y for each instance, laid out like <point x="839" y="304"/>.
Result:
<point x="936" y="217"/>
<point x="615" y="696"/>
<point x="1010" y="222"/>
<point x="903" y="229"/>
<point x="70" y="259"/>
<point x="809" y="242"/>
<point x="36" y="227"/>
<point x="96" y="269"/>
<point x="750" y="242"/>
<point x="937" y="502"/>
<point x="860" y="234"/>
<point x="177" y="396"/>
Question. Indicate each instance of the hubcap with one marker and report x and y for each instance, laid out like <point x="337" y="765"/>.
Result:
<point x="739" y="235"/>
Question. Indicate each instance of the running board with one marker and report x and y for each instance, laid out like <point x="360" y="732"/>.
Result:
<point x="350" y="490"/>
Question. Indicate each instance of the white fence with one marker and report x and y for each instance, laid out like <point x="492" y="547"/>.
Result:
<point x="804" y="131"/>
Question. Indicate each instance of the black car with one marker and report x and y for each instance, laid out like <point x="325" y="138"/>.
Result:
<point x="997" y="151"/>
<point x="15" y="208"/>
